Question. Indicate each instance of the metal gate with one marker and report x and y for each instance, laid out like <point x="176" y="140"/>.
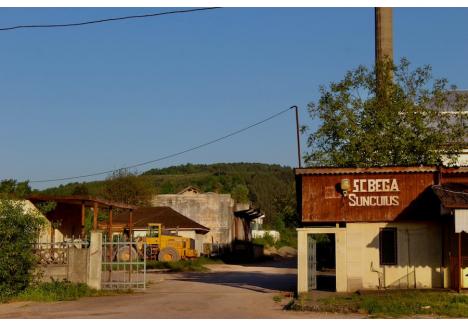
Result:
<point x="311" y="263"/>
<point x="123" y="266"/>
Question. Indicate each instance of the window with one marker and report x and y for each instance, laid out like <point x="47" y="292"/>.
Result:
<point x="153" y="231"/>
<point x="388" y="246"/>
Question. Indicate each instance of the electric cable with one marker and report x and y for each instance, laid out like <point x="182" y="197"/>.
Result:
<point x="107" y="19"/>
<point x="170" y="155"/>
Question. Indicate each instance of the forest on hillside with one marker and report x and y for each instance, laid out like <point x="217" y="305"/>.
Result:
<point x="269" y="187"/>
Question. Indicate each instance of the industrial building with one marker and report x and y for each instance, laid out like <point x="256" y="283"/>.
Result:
<point x="381" y="228"/>
<point x="174" y="223"/>
<point x="226" y="220"/>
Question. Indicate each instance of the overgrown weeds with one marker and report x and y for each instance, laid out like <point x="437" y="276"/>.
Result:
<point x="392" y="303"/>
<point x="60" y="291"/>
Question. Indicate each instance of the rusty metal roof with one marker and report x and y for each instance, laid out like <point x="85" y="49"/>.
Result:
<point x="78" y="200"/>
<point x="452" y="195"/>
<point x="249" y="214"/>
<point x="377" y="170"/>
<point x="167" y="216"/>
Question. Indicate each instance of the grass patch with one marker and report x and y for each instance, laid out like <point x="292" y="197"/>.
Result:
<point x="392" y="303"/>
<point x="194" y="265"/>
<point x="277" y="298"/>
<point x="60" y="291"/>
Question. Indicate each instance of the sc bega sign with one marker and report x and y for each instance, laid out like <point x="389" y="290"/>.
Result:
<point x="374" y="192"/>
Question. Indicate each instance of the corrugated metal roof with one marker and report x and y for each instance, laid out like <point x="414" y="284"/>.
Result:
<point x="78" y="200"/>
<point x="452" y="195"/>
<point x="377" y="170"/>
<point x="170" y="218"/>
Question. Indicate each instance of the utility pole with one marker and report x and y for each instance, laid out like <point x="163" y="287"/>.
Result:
<point x="383" y="34"/>
<point x="298" y="136"/>
<point x="383" y="48"/>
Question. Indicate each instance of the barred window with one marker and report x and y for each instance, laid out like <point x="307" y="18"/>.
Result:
<point x="388" y="246"/>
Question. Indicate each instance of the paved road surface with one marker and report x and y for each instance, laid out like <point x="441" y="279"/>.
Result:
<point x="228" y="291"/>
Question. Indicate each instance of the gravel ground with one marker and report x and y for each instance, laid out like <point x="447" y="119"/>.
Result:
<point x="227" y="291"/>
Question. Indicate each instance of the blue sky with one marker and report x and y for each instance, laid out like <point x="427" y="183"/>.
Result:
<point x="81" y="100"/>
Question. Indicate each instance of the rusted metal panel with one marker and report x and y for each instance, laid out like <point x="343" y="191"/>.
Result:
<point x="373" y="170"/>
<point x="450" y="172"/>
<point x="372" y="197"/>
<point x="89" y="201"/>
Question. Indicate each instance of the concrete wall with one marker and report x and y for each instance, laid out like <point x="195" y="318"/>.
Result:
<point x="341" y="259"/>
<point x="419" y="256"/>
<point x="95" y="261"/>
<point x="83" y="265"/>
<point x="45" y="235"/>
<point x="76" y="270"/>
<point x="358" y="262"/>
<point x="212" y="210"/>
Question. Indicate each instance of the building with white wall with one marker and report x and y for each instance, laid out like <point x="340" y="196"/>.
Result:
<point x="381" y="228"/>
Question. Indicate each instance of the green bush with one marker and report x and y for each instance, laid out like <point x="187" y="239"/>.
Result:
<point x="62" y="291"/>
<point x="288" y="237"/>
<point x="267" y="240"/>
<point x="56" y="291"/>
<point x="19" y="229"/>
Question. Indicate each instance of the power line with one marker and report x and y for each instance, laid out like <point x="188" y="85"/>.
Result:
<point x="108" y="19"/>
<point x="170" y="155"/>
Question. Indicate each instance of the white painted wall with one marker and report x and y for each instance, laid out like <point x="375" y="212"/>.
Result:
<point x="261" y="234"/>
<point x="358" y="262"/>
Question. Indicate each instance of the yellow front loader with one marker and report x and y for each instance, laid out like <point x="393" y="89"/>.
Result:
<point x="160" y="246"/>
<point x="166" y="247"/>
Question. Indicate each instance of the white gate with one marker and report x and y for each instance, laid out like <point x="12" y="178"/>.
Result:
<point x="123" y="267"/>
<point x="311" y="263"/>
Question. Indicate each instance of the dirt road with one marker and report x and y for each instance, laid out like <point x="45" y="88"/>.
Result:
<point x="228" y="291"/>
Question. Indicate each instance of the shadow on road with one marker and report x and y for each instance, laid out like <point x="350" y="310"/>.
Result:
<point x="283" y="263"/>
<point x="255" y="281"/>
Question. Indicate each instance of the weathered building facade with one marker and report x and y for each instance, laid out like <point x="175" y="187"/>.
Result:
<point x="378" y="228"/>
<point x="215" y="211"/>
<point x="174" y="223"/>
<point x="226" y="220"/>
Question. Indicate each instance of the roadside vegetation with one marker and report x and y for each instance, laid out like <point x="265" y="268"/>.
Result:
<point x="391" y="303"/>
<point x="62" y="291"/>
<point x="59" y="291"/>
<point x="288" y="239"/>
<point x="19" y="278"/>
<point x="19" y="228"/>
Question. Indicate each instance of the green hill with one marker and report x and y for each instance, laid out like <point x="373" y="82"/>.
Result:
<point x="270" y="186"/>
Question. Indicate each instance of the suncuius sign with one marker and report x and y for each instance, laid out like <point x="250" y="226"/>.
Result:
<point x="374" y="192"/>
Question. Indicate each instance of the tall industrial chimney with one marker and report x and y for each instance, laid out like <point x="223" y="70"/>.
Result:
<point x="383" y="34"/>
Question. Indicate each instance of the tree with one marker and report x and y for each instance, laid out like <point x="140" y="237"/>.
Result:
<point x="81" y="189"/>
<point x="19" y="229"/>
<point x="286" y="208"/>
<point x="405" y="124"/>
<point x="13" y="189"/>
<point x="240" y="193"/>
<point x="128" y="188"/>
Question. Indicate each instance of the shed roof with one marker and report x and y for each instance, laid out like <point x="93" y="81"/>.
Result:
<point x="452" y="195"/>
<point x="249" y="214"/>
<point x="170" y="218"/>
<point x="78" y="200"/>
<point x="378" y="170"/>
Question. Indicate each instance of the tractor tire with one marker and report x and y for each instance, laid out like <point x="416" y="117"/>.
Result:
<point x="123" y="255"/>
<point x="168" y="254"/>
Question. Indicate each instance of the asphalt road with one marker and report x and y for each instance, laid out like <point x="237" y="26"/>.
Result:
<point x="228" y="291"/>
